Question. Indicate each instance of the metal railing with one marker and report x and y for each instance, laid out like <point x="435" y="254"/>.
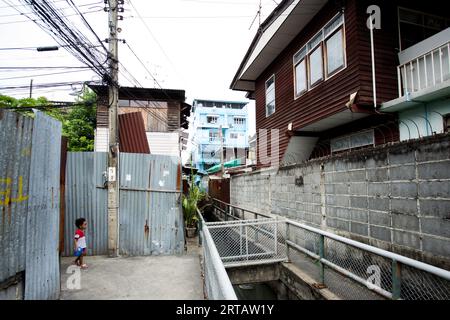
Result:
<point x="247" y="242"/>
<point x="389" y="275"/>
<point x="424" y="71"/>
<point x="217" y="283"/>
<point x="226" y="211"/>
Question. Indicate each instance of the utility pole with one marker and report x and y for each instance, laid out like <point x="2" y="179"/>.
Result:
<point x="221" y="150"/>
<point x="113" y="152"/>
<point x="31" y="88"/>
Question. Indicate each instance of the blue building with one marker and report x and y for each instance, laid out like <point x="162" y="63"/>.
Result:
<point x="211" y="116"/>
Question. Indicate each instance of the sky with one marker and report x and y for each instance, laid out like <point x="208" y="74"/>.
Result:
<point x="194" y="45"/>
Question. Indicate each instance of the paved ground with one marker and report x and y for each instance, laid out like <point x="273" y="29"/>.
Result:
<point x="140" y="278"/>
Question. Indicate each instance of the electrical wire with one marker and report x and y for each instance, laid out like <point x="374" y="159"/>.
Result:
<point x="43" y="74"/>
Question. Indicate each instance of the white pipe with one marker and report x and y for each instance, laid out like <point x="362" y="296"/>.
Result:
<point x="374" y="85"/>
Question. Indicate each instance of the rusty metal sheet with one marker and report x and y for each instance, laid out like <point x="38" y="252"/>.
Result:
<point x="151" y="220"/>
<point x="132" y="135"/>
<point x="15" y="159"/>
<point x="86" y="196"/>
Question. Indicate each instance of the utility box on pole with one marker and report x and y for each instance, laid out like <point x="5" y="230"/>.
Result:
<point x="113" y="151"/>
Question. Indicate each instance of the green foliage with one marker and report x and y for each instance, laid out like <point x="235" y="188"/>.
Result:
<point x="22" y="105"/>
<point x="190" y="204"/>
<point x="78" y="123"/>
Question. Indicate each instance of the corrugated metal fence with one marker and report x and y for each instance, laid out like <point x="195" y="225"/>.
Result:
<point x="86" y="196"/>
<point x="29" y="206"/>
<point x="150" y="215"/>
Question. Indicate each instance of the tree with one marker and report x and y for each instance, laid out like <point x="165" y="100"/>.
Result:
<point x="78" y="122"/>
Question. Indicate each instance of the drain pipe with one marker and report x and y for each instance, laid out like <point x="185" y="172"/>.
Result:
<point x="374" y="85"/>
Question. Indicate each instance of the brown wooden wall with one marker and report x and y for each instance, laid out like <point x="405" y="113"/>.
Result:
<point x="330" y="96"/>
<point x="166" y="118"/>
<point x="219" y="189"/>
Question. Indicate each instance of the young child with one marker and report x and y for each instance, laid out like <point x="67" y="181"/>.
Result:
<point x="80" y="242"/>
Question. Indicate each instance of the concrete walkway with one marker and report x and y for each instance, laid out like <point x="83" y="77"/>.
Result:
<point x="135" y="278"/>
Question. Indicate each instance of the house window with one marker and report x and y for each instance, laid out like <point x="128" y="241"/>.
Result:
<point x="213" y="136"/>
<point x="416" y="26"/>
<point x="334" y="48"/>
<point x="356" y="140"/>
<point x="315" y="66"/>
<point x="321" y="57"/>
<point x="212" y="119"/>
<point x="300" y="72"/>
<point x="233" y="135"/>
<point x="270" y="96"/>
<point x="239" y="121"/>
<point x="447" y="123"/>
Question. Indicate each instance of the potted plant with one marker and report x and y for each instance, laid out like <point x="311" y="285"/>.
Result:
<point x="190" y="207"/>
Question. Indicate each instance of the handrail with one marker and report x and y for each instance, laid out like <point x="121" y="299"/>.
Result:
<point x="384" y="253"/>
<point x="411" y="71"/>
<point x="222" y="276"/>
<point x="397" y="260"/>
<point x="243" y="209"/>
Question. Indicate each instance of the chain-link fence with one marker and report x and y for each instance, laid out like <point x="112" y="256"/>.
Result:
<point x="371" y="269"/>
<point x="350" y="269"/>
<point x="216" y="281"/>
<point x="246" y="242"/>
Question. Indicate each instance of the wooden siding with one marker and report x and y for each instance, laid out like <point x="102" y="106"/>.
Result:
<point x="330" y="96"/>
<point x="159" y="116"/>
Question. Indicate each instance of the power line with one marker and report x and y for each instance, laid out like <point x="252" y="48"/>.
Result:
<point x="44" y="85"/>
<point x="34" y="48"/>
<point x="35" y="20"/>
<point x="20" y="14"/>
<point x="66" y="33"/>
<point x="42" y="74"/>
<point x="39" y="68"/>
<point x="152" y="35"/>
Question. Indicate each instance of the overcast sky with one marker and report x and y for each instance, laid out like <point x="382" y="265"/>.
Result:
<point x="195" y="45"/>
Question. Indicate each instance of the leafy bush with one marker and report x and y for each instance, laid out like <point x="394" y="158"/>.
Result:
<point x="190" y="204"/>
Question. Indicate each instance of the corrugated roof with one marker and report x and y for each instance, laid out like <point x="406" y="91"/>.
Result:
<point x="132" y="137"/>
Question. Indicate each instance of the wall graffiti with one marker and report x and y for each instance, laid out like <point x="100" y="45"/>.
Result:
<point x="6" y="185"/>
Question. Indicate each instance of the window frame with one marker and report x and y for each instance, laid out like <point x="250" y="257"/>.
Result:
<point x="212" y="116"/>
<point x="349" y="137"/>
<point x="274" y="95"/>
<point x="240" y="118"/>
<point x="422" y="25"/>
<point x="310" y="53"/>
<point x="328" y="75"/>
<point x="215" y="136"/>
<point x="446" y="121"/>
<point x="322" y="43"/>
<point x="301" y="60"/>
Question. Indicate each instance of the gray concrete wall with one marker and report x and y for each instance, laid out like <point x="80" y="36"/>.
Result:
<point x="395" y="197"/>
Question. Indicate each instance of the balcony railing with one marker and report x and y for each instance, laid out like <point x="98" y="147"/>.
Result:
<point x="424" y="71"/>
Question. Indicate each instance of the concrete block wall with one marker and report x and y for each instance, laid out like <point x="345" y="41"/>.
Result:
<point x="395" y="197"/>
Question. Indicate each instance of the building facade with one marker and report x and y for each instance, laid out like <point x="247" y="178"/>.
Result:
<point x="318" y="88"/>
<point x="164" y="114"/>
<point x="215" y="119"/>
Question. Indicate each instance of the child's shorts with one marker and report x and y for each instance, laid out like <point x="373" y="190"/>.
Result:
<point x="79" y="252"/>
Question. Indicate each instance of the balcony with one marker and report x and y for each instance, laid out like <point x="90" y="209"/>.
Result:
<point x="422" y="70"/>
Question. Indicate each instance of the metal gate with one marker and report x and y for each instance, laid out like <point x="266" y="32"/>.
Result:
<point x="150" y="215"/>
<point x="151" y="220"/>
